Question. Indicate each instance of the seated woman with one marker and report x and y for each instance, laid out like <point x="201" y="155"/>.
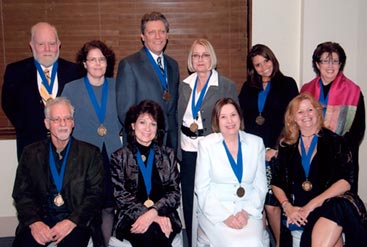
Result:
<point x="312" y="178"/>
<point x="230" y="180"/>
<point x="146" y="181"/>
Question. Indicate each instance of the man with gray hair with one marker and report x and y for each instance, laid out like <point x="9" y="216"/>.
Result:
<point x="58" y="186"/>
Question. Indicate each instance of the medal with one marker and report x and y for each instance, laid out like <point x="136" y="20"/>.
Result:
<point x="307" y="185"/>
<point x="143" y="158"/>
<point x="166" y="95"/>
<point x="58" y="200"/>
<point x="194" y="127"/>
<point x="148" y="203"/>
<point x="102" y="131"/>
<point x="260" y="120"/>
<point x="240" y="191"/>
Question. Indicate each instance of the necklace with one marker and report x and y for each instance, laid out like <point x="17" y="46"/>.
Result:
<point x="309" y="136"/>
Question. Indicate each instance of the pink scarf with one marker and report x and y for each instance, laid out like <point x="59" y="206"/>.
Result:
<point x="342" y="102"/>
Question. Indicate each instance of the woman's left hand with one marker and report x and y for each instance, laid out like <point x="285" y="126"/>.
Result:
<point x="144" y="221"/>
<point x="165" y="224"/>
<point x="270" y="153"/>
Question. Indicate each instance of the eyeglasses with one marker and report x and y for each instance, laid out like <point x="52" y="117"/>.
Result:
<point x="329" y="61"/>
<point x="96" y="60"/>
<point x="59" y="120"/>
<point x="204" y="56"/>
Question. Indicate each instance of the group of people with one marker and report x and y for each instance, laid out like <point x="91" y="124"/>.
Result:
<point x="114" y="156"/>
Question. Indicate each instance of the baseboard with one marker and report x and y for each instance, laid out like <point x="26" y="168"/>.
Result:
<point x="7" y="226"/>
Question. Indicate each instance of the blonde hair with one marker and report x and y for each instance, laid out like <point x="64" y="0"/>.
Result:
<point x="210" y="50"/>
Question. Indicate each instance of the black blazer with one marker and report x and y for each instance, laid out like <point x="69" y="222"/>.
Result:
<point x="22" y="102"/>
<point x="82" y="186"/>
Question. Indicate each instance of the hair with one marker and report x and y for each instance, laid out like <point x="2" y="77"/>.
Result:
<point x="261" y="50"/>
<point x="57" y="101"/>
<point x="291" y="128"/>
<point x="210" y="50"/>
<point x="81" y="56"/>
<point x="217" y="109"/>
<point x="328" y="47"/>
<point x="35" y="26"/>
<point x="154" y="110"/>
<point x="153" y="16"/>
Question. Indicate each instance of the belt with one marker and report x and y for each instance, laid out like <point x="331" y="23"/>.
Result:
<point x="187" y="132"/>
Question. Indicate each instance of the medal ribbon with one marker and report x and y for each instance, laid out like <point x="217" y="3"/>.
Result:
<point x="50" y="86"/>
<point x="322" y="99"/>
<point x="100" y="111"/>
<point x="162" y="75"/>
<point x="237" y="168"/>
<point x="261" y="99"/>
<point x="196" y="107"/>
<point x="146" y="171"/>
<point x="58" y="178"/>
<point x="306" y="157"/>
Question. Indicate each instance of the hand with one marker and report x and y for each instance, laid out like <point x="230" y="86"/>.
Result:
<point x="165" y="225"/>
<point x="242" y="217"/>
<point x="270" y="153"/>
<point x="143" y="222"/>
<point x="233" y="222"/>
<point x="295" y="216"/>
<point x="61" y="230"/>
<point x="41" y="232"/>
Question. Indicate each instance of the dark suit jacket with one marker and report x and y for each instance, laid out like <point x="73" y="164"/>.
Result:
<point x="82" y="186"/>
<point x="136" y="81"/>
<point x="22" y="102"/>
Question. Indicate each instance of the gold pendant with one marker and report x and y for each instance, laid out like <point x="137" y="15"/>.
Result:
<point x="307" y="185"/>
<point x="102" y="131"/>
<point x="166" y="95"/>
<point x="148" y="203"/>
<point x="260" y="120"/>
<point x="58" y="200"/>
<point x="194" y="127"/>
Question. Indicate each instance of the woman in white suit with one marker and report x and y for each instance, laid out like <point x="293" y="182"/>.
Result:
<point x="230" y="181"/>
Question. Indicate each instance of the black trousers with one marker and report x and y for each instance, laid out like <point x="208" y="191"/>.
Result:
<point x="78" y="237"/>
<point x="187" y="168"/>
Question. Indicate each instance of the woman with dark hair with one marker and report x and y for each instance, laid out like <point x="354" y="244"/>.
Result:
<point x="341" y="98"/>
<point x="146" y="181"/>
<point x="312" y="178"/>
<point x="95" y="119"/>
<point x="263" y="100"/>
<point x="230" y="181"/>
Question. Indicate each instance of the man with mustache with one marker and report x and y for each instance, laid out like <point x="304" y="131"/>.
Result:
<point x="58" y="186"/>
<point x="29" y="83"/>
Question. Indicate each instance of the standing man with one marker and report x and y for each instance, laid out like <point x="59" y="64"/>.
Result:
<point x="150" y="74"/>
<point x="29" y="83"/>
<point x="58" y="185"/>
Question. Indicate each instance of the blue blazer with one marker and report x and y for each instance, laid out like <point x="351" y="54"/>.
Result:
<point x="137" y="80"/>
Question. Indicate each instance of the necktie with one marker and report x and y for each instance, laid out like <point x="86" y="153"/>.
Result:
<point x="47" y="74"/>
<point x="159" y="62"/>
<point x="43" y="91"/>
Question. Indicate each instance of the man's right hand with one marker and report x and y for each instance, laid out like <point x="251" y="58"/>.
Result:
<point x="41" y="232"/>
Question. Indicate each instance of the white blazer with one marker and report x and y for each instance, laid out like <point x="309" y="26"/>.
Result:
<point x="216" y="185"/>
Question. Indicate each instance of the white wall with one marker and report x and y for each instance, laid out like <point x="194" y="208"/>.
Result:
<point x="292" y="28"/>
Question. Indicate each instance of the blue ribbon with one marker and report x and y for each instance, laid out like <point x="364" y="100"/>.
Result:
<point x="146" y="171"/>
<point x="236" y="167"/>
<point x="58" y="177"/>
<point x="322" y="99"/>
<point x="262" y="98"/>
<point x="306" y="156"/>
<point x="100" y="111"/>
<point x="161" y="74"/>
<point x="50" y="86"/>
<point x="196" y="107"/>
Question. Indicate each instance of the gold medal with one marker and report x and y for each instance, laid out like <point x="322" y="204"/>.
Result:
<point x="143" y="158"/>
<point x="58" y="200"/>
<point x="194" y="127"/>
<point x="148" y="203"/>
<point x="307" y="185"/>
<point x="166" y="95"/>
<point x="260" y="120"/>
<point x="102" y="131"/>
<point x="240" y="191"/>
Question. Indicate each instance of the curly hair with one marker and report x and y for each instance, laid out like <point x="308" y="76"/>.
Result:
<point x="154" y="110"/>
<point x="109" y="54"/>
<point x="329" y="48"/>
